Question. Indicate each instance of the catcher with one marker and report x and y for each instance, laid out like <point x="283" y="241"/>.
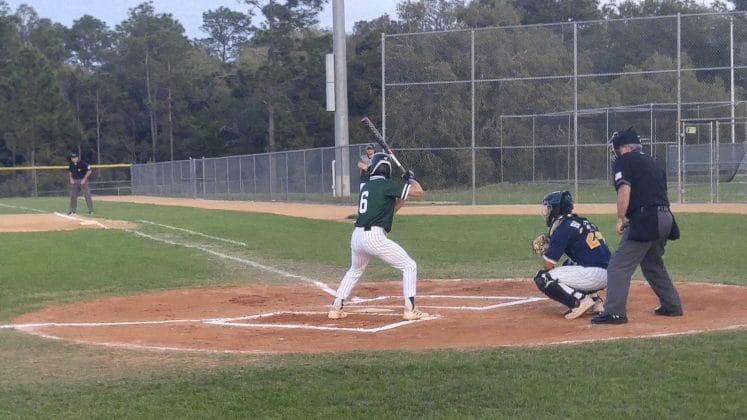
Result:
<point x="576" y="282"/>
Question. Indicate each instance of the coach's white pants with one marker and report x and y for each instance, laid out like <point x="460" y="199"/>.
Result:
<point x="365" y="244"/>
<point x="585" y="279"/>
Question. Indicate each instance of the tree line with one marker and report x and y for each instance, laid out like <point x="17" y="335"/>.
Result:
<point x="143" y="92"/>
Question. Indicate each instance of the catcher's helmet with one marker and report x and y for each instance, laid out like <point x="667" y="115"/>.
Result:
<point x="381" y="165"/>
<point x="557" y="203"/>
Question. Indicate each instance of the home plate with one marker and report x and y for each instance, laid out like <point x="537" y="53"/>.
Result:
<point x="372" y="310"/>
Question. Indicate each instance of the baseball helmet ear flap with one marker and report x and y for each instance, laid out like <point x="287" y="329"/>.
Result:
<point x="380" y="165"/>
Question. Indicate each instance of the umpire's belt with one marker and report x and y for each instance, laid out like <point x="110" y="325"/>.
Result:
<point x="663" y="209"/>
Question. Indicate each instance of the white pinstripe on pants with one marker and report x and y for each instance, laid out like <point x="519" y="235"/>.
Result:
<point x="374" y="243"/>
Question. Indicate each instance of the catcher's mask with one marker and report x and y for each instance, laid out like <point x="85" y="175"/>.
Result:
<point x="381" y="165"/>
<point x="621" y="138"/>
<point x="557" y="203"/>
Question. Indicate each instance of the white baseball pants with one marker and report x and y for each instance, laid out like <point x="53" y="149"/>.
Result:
<point x="585" y="279"/>
<point x="365" y="244"/>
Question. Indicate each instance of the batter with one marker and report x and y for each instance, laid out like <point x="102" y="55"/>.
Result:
<point x="379" y="199"/>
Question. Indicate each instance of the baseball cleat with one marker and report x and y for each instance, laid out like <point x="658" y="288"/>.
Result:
<point x="335" y="313"/>
<point x="583" y="305"/>
<point x="598" y="307"/>
<point x="662" y="311"/>
<point x="414" y="315"/>
<point x="606" y="318"/>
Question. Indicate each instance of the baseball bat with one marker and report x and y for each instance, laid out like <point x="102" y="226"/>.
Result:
<point x="382" y="142"/>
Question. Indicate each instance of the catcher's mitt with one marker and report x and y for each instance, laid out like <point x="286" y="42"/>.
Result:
<point x="540" y="244"/>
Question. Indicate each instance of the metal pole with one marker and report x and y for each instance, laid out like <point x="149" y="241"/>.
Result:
<point x="241" y="178"/>
<point x="342" y="186"/>
<point x="711" y="160"/>
<point x="680" y="138"/>
<point x="383" y="85"/>
<point x="534" y="149"/>
<point x="718" y="158"/>
<point x="287" y="178"/>
<point x="472" y="124"/>
<point x="575" y="110"/>
<point x="731" y="54"/>
<point x="500" y="124"/>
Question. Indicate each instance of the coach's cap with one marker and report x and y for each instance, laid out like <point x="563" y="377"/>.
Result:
<point x="622" y="138"/>
<point x="73" y="154"/>
<point x="371" y="146"/>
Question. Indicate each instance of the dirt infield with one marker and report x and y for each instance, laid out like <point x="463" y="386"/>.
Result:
<point x="341" y="212"/>
<point x="274" y="319"/>
<point x="55" y="221"/>
<point x="277" y="319"/>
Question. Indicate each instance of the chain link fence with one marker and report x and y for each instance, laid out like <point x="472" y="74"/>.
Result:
<point x="503" y="115"/>
<point x="536" y="104"/>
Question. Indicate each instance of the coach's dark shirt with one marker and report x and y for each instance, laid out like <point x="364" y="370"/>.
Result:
<point x="647" y="180"/>
<point x="78" y="170"/>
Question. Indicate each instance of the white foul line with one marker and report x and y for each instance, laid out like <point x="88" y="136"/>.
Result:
<point x="192" y="232"/>
<point x="278" y="271"/>
<point x="95" y="222"/>
<point x="22" y="208"/>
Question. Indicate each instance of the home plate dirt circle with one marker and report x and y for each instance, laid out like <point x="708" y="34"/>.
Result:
<point x="266" y="318"/>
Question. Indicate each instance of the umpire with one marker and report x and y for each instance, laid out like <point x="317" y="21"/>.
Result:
<point x="641" y="198"/>
<point x="79" y="174"/>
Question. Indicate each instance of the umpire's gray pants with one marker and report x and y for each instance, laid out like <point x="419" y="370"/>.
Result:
<point x="76" y="189"/>
<point x="628" y="256"/>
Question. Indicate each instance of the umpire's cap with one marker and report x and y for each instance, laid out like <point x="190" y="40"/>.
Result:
<point x="622" y="138"/>
<point x="73" y="154"/>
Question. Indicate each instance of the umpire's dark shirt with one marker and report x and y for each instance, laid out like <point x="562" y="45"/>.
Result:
<point x="78" y="170"/>
<point x="647" y="180"/>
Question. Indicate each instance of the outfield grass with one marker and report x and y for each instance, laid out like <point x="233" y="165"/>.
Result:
<point x="698" y="376"/>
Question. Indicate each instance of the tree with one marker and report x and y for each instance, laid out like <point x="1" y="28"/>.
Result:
<point x="227" y="31"/>
<point x="551" y="11"/>
<point x="154" y="44"/>
<point x="89" y="42"/>
<point x="429" y="15"/>
<point x="278" y="33"/>
<point x="36" y="116"/>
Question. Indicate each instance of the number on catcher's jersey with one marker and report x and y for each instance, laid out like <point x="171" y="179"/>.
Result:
<point x="594" y="239"/>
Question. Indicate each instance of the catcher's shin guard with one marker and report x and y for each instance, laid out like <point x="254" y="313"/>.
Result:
<point x="554" y="290"/>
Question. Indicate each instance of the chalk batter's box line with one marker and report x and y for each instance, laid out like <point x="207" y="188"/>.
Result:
<point x="232" y="322"/>
<point x="357" y="304"/>
<point x="515" y="300"/>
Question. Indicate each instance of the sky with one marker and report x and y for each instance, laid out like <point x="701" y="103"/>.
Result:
<point x="188" y="12"/>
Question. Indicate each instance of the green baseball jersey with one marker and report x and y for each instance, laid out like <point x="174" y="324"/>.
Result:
<point x="376" y="202"/>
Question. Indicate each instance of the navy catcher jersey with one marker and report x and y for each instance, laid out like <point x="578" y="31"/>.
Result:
<point x="580" y="240"/>
<point x="647" y="180"/>
<point x="376" y="202"/>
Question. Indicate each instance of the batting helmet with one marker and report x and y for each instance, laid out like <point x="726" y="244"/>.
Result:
<point x="381" y="165"/>
<point x="557" y="203"/>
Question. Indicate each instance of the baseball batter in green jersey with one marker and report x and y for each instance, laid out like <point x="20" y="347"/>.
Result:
<point x="379" y="199"/>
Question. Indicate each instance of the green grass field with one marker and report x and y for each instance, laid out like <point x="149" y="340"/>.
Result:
<point x="702" y="376"/>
